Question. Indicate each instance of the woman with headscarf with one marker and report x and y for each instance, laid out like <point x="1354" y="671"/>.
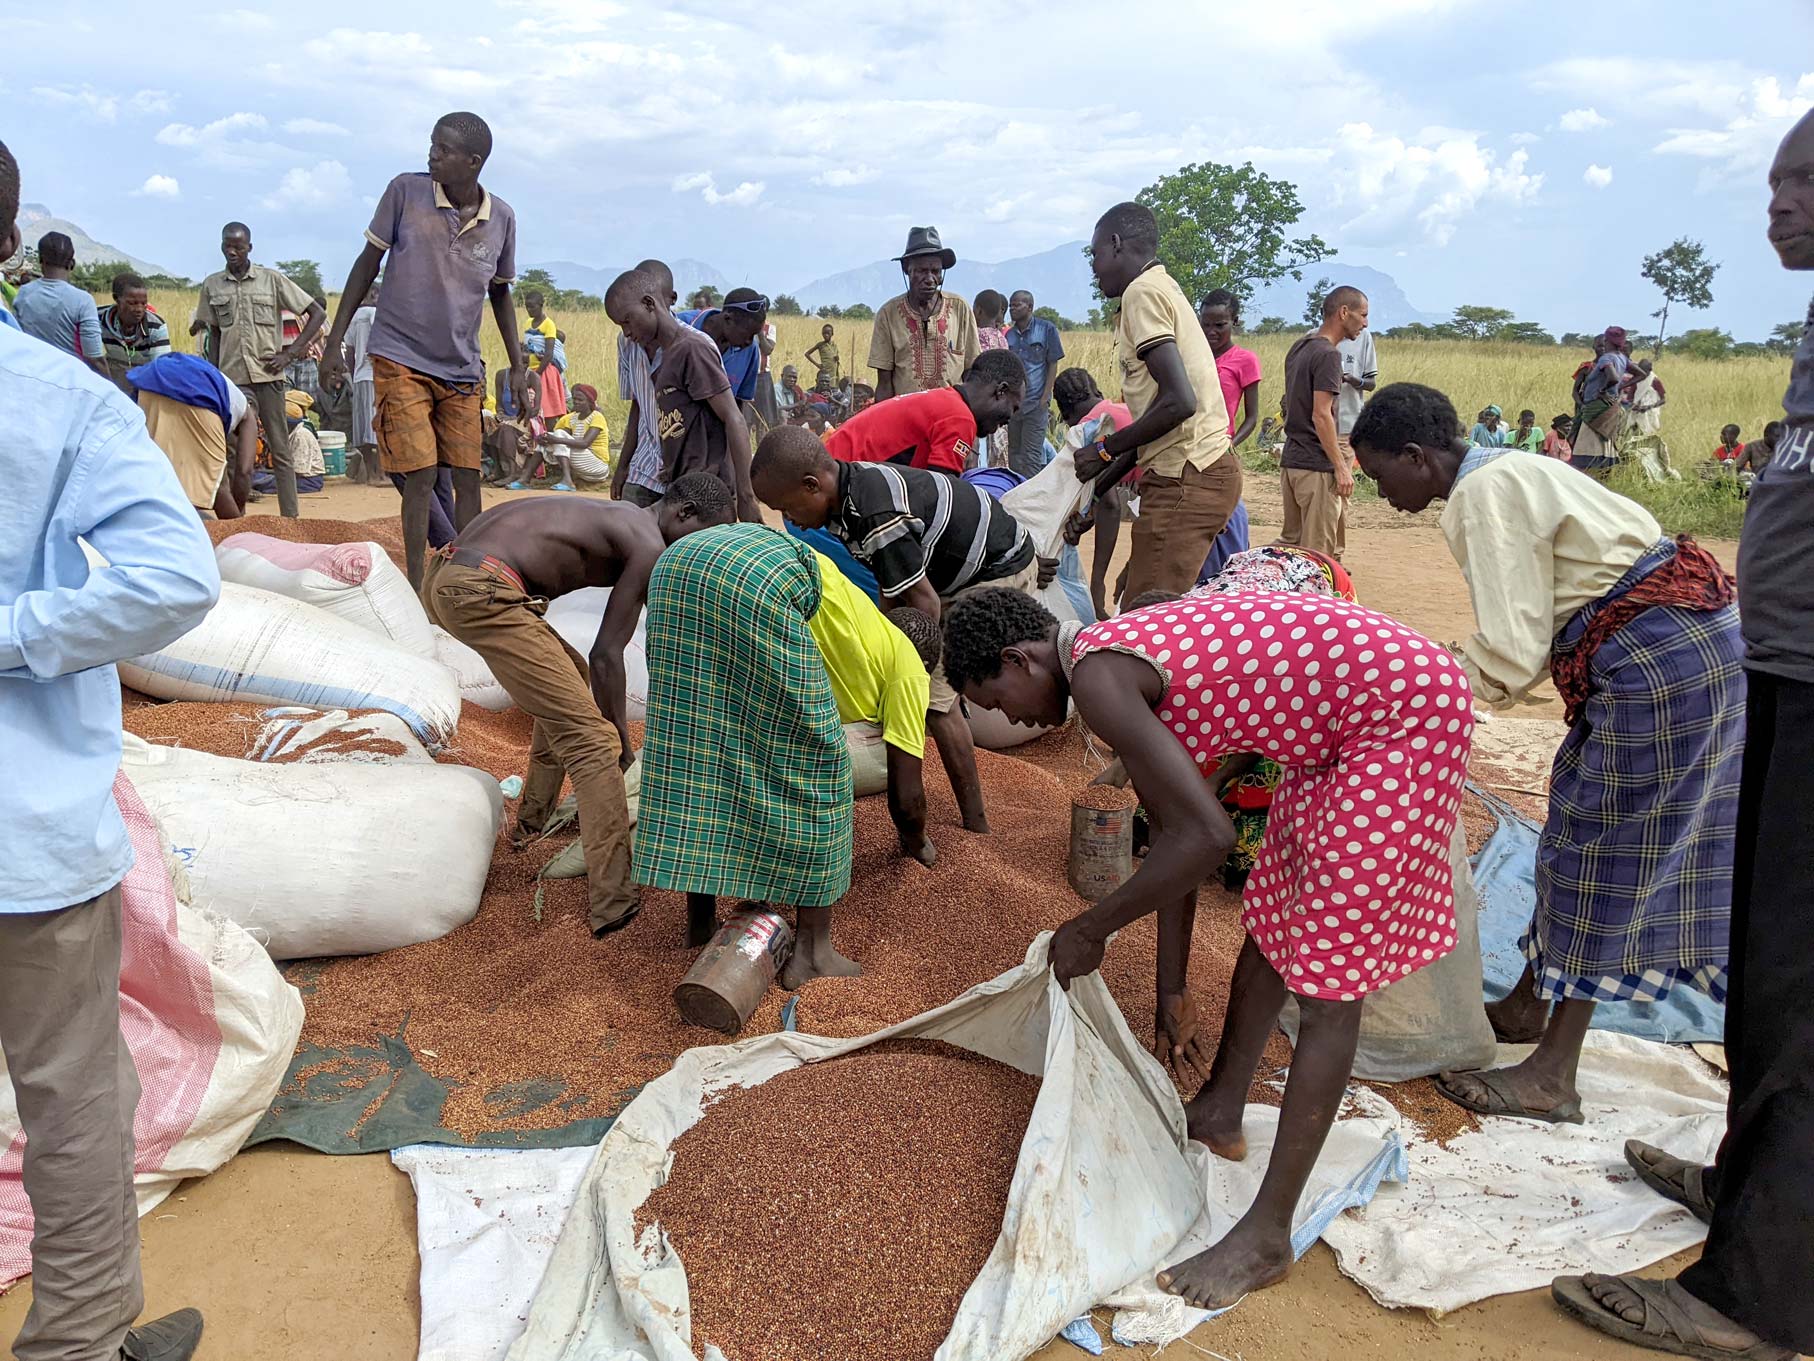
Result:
<point x="577" y="440"/>
<point x="1573" y="582"/>
<point x="1599" y="413"/>
<point x="746" y="784"/>
<point x="1487" y="432"/>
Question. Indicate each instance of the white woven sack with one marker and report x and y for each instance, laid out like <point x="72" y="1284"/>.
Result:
<point x="356" y="582"/>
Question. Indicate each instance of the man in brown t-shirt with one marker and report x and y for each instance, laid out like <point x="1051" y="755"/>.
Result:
<point x="700" y="425"/>
<point x="1318" y="479"/>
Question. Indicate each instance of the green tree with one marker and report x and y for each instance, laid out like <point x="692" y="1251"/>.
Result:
<point x="831" y="311"/>
<point x="1225" y="226"/>
<point x="1313" y="300"/>
<point x="1684" y="274"/>
<point x="786" y="305"/>
<point x="1057" y="318"/>
<point x="1272" y="326"/>
<point x="305" y="274"/>
<point x="705" y="296"/>
<point x="1783" y="339"/>
<point x="539" y="279"/>
<point x="1525" y="333"/>
<point x="1480" y="323"/>
<point x="859" y="311"/>
<point x="1705" y="343"/>
<point x="1577" y="340"/>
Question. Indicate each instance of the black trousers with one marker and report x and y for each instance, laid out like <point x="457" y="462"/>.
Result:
<point x="1758" y="1265"/>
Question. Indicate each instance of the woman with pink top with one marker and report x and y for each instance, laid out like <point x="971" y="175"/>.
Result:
<point x="1239" y="370"/>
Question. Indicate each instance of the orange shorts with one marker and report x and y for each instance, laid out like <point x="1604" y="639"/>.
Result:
<point x="423" y="422"/>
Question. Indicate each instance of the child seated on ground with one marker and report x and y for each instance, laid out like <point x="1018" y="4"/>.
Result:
<point x="1556" y="444"/>
<point x="1727" y="450"/>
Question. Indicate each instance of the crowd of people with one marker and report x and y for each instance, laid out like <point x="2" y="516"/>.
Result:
<point x="899" y="589"/>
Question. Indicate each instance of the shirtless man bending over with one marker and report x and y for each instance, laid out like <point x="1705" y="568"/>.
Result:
<point x="490" y="589"/>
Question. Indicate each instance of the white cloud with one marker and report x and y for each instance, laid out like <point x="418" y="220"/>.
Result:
<point x="1597" y="176"/>
<point x="1583" y="120"/>
<point x="1523" y="138"/>
<point x="1388" y="186"/>
<point x="742" y="196"/>
<point x="185" y="135"/>
<point x="845" y="177"/>
<point x="313" y="127"/>
<point x="99" y="105"/>
<point x="324" y="185"/>
<point x="159" y="186"/>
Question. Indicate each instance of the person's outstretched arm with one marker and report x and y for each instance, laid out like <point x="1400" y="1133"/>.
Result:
<point x="330" y="373"/>
<point x="160" y="577"/>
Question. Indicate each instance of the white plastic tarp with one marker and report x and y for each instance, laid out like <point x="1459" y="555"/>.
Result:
<point x="1515" y="1203"/>
<point x="1101" y="1191"/>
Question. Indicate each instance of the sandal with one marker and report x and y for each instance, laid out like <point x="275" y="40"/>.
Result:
<point x="1501" y="1100"/>
<point x="1668" y="1324"/>
<point x="1672" y="1178"/>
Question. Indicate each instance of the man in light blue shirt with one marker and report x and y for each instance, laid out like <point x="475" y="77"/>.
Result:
<point x="1034" y="341"/>
<point x="55" y="310"/>
<point x="78" y="465"/>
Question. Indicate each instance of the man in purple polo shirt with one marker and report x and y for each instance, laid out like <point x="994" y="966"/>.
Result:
<point x="451" y="245"/>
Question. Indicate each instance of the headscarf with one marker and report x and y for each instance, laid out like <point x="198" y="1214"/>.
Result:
<point x="1281" y="567"/>
<point x="587" y="391"/>
<point x="1494" y="411"/>
<point x="1615" y="337"/>
<point x="185" y="378"/>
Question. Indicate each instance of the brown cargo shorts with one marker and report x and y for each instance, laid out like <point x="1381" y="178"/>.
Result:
<point x="423" y="422"/>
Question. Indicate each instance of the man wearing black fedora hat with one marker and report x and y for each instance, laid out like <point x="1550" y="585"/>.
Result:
<point x="926" y="338"/>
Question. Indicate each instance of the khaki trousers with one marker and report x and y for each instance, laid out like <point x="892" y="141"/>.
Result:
<point x="77" y="1092"/>
<point x="942" y="697"/>
<point x="1315" y="517"/>
<point x="1178" y="521"/>
<point x="552" y="683"/>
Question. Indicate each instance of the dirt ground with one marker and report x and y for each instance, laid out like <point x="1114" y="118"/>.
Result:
<point x="294" y="1254"/>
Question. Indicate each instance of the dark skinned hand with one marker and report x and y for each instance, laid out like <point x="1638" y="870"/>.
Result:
<point x="1089" y="461"/>
<point x="1179" y="1041"/>
<point x="1048" y="569"/>
<point x="1074" y="951"/>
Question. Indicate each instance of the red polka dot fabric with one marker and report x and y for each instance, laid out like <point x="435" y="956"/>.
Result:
<point x="1371" y="723"/>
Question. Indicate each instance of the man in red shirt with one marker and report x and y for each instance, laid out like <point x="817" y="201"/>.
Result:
<point x="940" y="428"/>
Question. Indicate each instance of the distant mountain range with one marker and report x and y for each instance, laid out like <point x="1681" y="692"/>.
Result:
<point x="1059" y="277"/>
<point x="35" y="220"/>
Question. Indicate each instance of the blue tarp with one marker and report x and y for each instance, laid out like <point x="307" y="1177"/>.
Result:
<point x="1505" y="876"/>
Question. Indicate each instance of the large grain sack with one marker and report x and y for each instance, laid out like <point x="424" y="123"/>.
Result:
<point x="333" y="859"/>
<point x="257" y="645"/>
<point x="1102" y="1190"/>
<point x="576" y="617"/>
<point x="356" y="582"/>
<point x="471" y="672"/>
<point x="1435" y="1019"/>
<point x="210" y="1024"/>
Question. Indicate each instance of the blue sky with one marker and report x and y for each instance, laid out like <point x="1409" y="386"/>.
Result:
<point x="1467" y="148"/>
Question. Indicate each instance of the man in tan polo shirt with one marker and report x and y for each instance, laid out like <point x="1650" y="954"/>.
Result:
<point x="926" y="338"/>
<point x="242" y="306"/>
<point x="1190" y="480"/>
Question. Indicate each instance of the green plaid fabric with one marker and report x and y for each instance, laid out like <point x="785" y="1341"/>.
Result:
<point x="745" y="775"/>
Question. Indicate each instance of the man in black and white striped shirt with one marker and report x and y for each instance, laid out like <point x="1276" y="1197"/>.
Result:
<point x="928" y="538"/>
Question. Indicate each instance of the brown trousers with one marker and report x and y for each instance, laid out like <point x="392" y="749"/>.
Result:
<point x="1315" y="517"/>
<point x="552" y="683"/>
<point x="1178" y="521"/>
<point x="77" y="1092"/>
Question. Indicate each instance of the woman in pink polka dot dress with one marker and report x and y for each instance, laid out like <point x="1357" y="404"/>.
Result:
<point x="1351" y="889"/>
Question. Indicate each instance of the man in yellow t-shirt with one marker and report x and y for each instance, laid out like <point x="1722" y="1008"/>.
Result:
<point x="1190" y="480"/>
<point x="878" y="666"/>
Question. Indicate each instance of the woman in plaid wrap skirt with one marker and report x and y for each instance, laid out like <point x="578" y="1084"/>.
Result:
<point x="746" y="776"/>
<point x="1572" y="582"/>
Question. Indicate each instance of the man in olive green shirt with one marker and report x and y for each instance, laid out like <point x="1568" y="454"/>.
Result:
<point x="243" y="308"/>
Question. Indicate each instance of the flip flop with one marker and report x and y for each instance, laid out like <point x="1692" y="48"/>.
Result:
<point x="1502" y="1101"/>
<point x="517" y="486"/>
<point x="563" y="486"/>
<point x="1673" y="1178"/>
<point x="1668" y="1324"/>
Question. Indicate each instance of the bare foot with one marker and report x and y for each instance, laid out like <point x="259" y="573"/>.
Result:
<point x="1247" y="1259"/>
<point x="1519" y="1017"/>
<point x="1211" y="1122"/>
<point x="820" y="961"/>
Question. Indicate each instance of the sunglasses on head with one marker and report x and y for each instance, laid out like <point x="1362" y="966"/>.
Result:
<point x="754" y="306"/>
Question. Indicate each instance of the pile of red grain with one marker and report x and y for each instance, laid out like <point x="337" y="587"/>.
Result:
<point x="1105" y="798"/>
<point x="841" y="1209"/>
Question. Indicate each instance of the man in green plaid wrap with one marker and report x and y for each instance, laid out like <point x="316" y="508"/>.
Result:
<point x="746" y="777"/>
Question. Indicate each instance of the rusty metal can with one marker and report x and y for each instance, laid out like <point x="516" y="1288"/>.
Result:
<point x="735" y="970"/>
